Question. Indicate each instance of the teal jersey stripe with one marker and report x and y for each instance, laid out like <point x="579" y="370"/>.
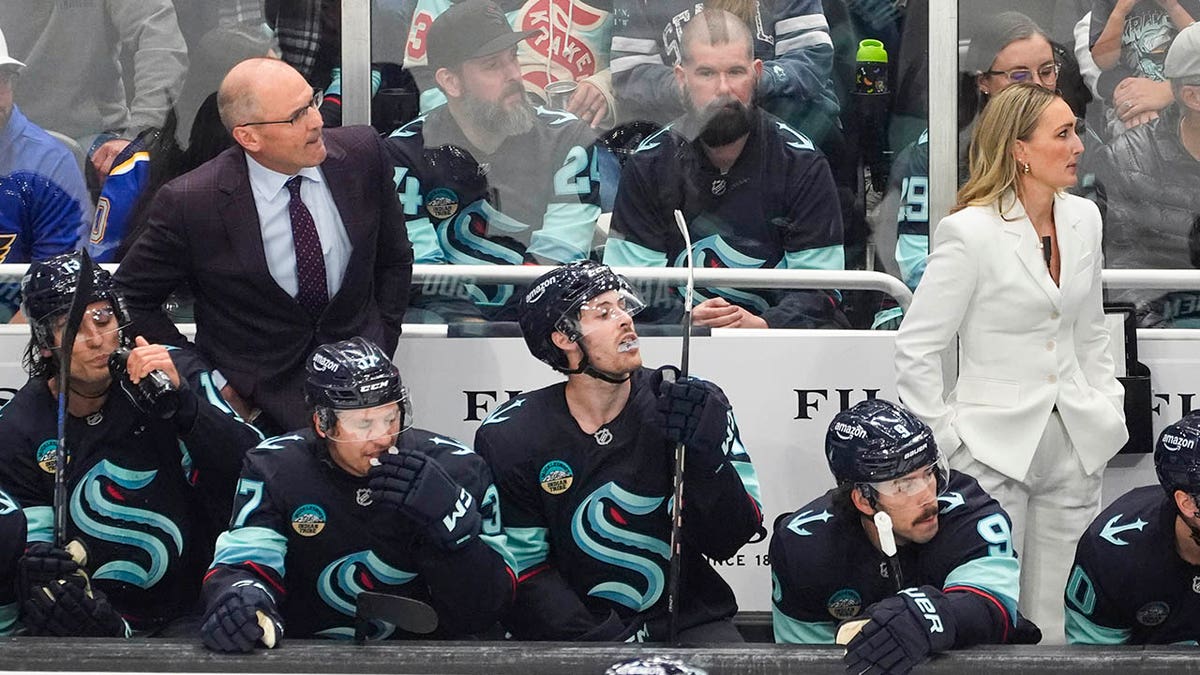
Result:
<point x="39" y="523"/>
<point x="624" y="253"/>
<point x="911" y="252"/>
<point x="567" y="232"/>
<point x="527" y="546"/>
<point x="745" y="471"/>
<point x="824" y="258"/>
<point x="1081" y="631"/>
<point x="8" y="619"/>
<point x="789" y="630"/>
<point x="499" y="544"/>
<point x="995" y="575"/>
<point x="427" y="250"/>
<point x="259" y="545"/>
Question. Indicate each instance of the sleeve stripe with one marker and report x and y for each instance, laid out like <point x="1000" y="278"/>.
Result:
<point x="793" y="24"/>
<point x="1009" y="620"/>
<point x="251" y="545"/>
<point x="39" y="523"/>
<point x="800" y="42"/>
<point x="635" y="45"/>
<point x="624" y="63"/>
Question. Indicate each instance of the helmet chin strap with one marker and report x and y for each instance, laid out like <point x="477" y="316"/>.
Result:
<point x="586" y="368"/>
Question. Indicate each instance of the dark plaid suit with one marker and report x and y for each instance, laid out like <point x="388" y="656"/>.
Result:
<point x="203" y="230"/>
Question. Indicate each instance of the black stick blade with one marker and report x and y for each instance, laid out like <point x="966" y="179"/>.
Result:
<point x="407" y="614"/>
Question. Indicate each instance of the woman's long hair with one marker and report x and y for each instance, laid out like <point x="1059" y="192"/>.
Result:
<point x="1011" y="115"/>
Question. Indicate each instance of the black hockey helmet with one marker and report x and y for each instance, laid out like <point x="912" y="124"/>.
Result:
<point x="553" y="302"/>
<point x="1177" y="455"/>
<point x="351" y="374"/>
<point x="877" y="441"/>
<point x="46" y="291"/>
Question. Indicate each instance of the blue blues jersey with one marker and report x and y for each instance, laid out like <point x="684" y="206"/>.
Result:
<point x="118" y="198"/>
<point x="38" y="220"/>
<point x="146" y="496"/>
<point x="1129" y="585"/>
<point x="587" y="516"/>
<point x="12" y="545"/>
<point x="825" y="569"/>
<point x="313" y="535"/>
<point x="776" y="207"/>
<point x="535" y="200"/>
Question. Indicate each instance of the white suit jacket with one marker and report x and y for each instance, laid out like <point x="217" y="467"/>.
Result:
<point x="1025" y="345"/>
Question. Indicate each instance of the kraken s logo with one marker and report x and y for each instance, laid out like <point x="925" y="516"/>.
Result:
<point x="343" y="579"/>
<point x="597" y="528"/>
<point x="714" y="252"/>
<point x="96" y="502"/>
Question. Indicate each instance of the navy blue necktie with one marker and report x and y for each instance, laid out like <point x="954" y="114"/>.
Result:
<point x="310" y="261"/>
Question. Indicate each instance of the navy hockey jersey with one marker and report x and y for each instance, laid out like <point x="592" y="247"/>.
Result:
<point x="535" y="200"/>
<point x="825" y="570"/>
<point x="313" y="535"/>
<point x="776" y="207"/>
<point x="1129" y="585"/>
<point x="12" y="545"/>
<point x="146" y="496"/>
<point x="587" y="517"/>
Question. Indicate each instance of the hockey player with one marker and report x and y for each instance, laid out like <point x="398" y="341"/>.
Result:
<point x="361" y="501"/>
<point x="12" y="544"/>
<point x="755" y="192"/>
<point x="955" y="559"/>
<point x="1137" y="568"/>
<point x="487" y="179"/>
<point x="584" y="470"/>
<point x="153" y="458"/>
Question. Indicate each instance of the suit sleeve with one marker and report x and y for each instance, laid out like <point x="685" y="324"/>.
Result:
<point x="155" y="266"/>
<point x="545" y="607"/>
<point x="930" y="326"/>
<point x="151" y="29"/>
<point x="472" y="586"/>
<point x="394" y="258"/>
<point x="1091" y="330"/>
<point x="12" y="545"/>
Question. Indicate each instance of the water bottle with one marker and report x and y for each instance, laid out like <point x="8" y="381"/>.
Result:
<point x="870" y="76"/>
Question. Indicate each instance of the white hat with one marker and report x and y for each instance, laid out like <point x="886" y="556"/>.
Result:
<point x="5" y="59"/>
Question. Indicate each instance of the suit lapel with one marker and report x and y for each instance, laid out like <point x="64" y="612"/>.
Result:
<point x="334" y="170"/>
<point x="1069" y="245"/>
<point x="240" y="216"/>
<point x="1025" y="246"/>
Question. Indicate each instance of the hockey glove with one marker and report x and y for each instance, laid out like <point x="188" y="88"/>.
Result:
<point x="70" y="608"/>
<point x="902" y="631"/>
<point x="421" y="490"/>
<point x="43" y="564"/>
<point x="241" y="617"/>
<point x="692" y="413"/>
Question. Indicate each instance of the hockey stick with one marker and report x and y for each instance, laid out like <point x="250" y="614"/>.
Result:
<point x="409" y="615"/>
<point x="680" y="449"/>
<point x="79" y="302"/>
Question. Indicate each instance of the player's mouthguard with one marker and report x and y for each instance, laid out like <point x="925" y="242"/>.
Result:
<point x="374" y="461"/>
<point x="628" y="345"/>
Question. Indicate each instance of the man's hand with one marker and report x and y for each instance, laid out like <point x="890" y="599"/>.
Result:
<point x="421" y="490"/>
<point x="902" y="631"/>
<point x="239" y="404"/>
<point x="588" y="104"/>
<point x="102" y="158"/>
<point x="1137" y="100"/>
<point x="720" y="313"/>
<point x="44" y="564"/>
<point x="71" y="608"/>
<point x="240" y="618"/>
<point x="145" y="358"/>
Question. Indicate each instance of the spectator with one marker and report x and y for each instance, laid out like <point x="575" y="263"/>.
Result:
<point x="1147" y="183"/>
<point x="154" y="454"/>
<point x="954" y="551"/>
<point x="791" y="38"/>
<point x="1134" y="580"/>
<point x="754" y="191"/>
<point x="74" y="83"/>
<point x="359" y="500"/>
<point x="486" y="179"/>
<point x="12" y="545"/>
<point x="568" y="41"/>
<point x="288" y="240"/>
<point x="43" y="200"/>
<point x="1036" y="411"/>
<point x="1129" y="40"/>
<point x="585" y="465"/>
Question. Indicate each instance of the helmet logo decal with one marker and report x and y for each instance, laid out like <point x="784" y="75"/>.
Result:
<point x="1173" y="443"/>
<point x="372" y="386"/>
<point x="556" y="477"/>
<point x="308" y="520"/>
<point x="848" y="431"/>
<point x="536" y="292"/>
<point x="323" y="363"/>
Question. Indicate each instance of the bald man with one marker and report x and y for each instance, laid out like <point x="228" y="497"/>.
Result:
<point x="755" y="192"/>
<point x="291" y="239"/>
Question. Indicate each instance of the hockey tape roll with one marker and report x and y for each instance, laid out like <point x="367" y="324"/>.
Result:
<point x="887" y="541"/>
<point x="268" y="628"/>
<point x="847" y="631"/>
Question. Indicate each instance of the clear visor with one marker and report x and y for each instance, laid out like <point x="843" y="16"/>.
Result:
<point x="97" y="324"/>
<point x="610" y="306"/>
<point x="914" y="483"/>
<point x="386" y="420"/>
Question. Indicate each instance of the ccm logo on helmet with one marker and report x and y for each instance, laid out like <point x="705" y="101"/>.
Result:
<point x="1174" y="443"/>
<point x="323" y="363"/>
<point x="372" y="386"/>
<point x="848" y="431"/>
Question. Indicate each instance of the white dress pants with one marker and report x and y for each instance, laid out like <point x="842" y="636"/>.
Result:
<point x="1050" y="510"/>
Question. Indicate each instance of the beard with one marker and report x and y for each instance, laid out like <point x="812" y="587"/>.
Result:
<point x="722" y="121"/>
<point x="497" y="118"/>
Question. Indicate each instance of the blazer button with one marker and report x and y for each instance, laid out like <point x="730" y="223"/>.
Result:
<point x="1052" y="379"/>
<point x="1055" y="314"/>
<point x="1050" y="346"/>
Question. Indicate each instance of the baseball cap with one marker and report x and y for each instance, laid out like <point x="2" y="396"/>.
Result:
<point x="1183" y="57"/>
<point x="5" y="59"/>
<point x="468" y="30"/>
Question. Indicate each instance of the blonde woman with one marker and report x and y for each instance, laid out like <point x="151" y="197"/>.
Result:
<point x="1036" y="411"/>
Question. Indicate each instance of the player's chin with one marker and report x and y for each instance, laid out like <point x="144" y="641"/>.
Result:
<point x="924" y="530"/>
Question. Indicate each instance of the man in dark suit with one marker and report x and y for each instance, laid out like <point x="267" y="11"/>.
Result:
<point x="291" y="239"/>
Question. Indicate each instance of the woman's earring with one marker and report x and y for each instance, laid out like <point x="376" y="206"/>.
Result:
<point x="1024" y="167"/>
